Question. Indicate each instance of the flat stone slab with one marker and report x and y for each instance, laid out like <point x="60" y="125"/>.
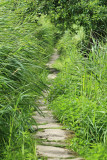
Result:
<point x="43" y="108"/>
<point x="41" y="101"/>
<point x="40" y="119"/>
<point x="55" y="152"/>
<point x="47" y="113"/>
<point x="49" y="126"/>
<point x="51" y="143"/>
<point x="44" y="113"/>
<point x="54" y="57"/>
<point x="52" y="76"/>
<point x="65" y="159"/>
<point x="77" y="159"/>
<point x="52" y="134"/>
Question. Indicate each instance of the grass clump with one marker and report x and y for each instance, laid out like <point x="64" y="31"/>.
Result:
<point x="25" y="46"/>
<point x="78" y="95"/>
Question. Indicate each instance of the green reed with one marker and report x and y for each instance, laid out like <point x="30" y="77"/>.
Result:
<point x="26" y="43"/>
<point x="78" y="96"/>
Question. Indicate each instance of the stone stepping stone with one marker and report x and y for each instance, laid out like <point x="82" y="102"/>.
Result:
<point x="47" y="126"/>
<point x="65" y="159"/>
<point x="41" y="120"/>
<point x="52" y="76"/>
<point x="52" y="134"/>
<point x="54" y="57"/>
<point x="77" y="159"/>
<point x="43" y="108"/>
<point x="56" y="144"/>
<point x="45" y="113"/>
<point x="50" y="126"/>
<point x="41" y="102"/>
<point x="55" y="152"/>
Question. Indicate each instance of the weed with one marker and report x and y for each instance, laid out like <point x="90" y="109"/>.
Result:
<point x="78" y="95"/>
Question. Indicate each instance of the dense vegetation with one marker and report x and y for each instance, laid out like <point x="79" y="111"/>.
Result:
<point x="26" y="42"/>
<point x="78" y="95"/>
<point x="89" y="14"/>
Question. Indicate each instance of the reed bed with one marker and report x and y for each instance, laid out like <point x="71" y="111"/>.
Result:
<point x="26" y="43"/>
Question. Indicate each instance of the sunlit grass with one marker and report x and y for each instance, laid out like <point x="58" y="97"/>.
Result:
<point x="25" y="47"/>
<point x="78" y="96"/>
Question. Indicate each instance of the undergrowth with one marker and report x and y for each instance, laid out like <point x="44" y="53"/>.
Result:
<point x="78" y="96"/>
<point x="26" y="43"/>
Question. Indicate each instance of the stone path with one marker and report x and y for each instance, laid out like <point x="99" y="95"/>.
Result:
<point x="50" y="134"/>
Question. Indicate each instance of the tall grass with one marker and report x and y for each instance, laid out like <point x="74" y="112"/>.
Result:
<point x="26" y="42"/>
<point x="79" y="95"/>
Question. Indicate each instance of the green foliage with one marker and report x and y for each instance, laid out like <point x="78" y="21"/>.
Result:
<point x="26" y="42"/>
<point x="78" y="96"/>
<point x="97" y="151"/>
<point x="89" y="14"/>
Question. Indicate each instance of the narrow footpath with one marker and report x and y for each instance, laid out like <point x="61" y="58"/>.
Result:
<point x="51" y="136"/>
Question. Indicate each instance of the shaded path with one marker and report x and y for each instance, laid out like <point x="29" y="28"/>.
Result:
<point x="51" y="135"/>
